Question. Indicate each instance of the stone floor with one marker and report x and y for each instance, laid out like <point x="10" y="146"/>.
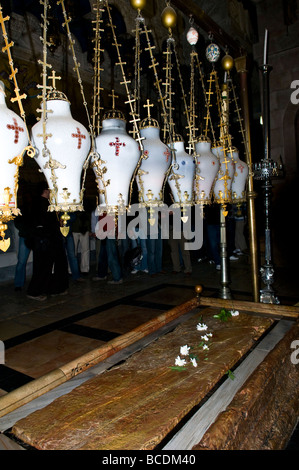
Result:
<point x="40" y="336"/>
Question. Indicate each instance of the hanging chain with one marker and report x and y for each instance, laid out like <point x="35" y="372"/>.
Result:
<point x="137" y="69"/>
<point x="131" y="101"/>
<point x="30" y="149"/>
<point x="207" y="98"/>
<point x="192" y="116"/>
<point x="43" y="110"/>
<point x="225" y="138"/>
<point x="96" y="114"/>
<point x="240" y="120"/>
<point x="154" y="65"/>
<point x="168" y="90"/>
<point x="76" y="68"/>
<point x="135" y="119"/>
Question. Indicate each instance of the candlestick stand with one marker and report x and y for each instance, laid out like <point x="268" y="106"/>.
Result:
<point x="265" y="171"/>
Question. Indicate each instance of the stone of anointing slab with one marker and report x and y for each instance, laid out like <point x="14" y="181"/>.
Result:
<point x="136" y="404"/>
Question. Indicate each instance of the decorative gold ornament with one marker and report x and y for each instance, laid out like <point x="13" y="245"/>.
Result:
<point x="4" y="243"/>
<point x="138" y="4"/>
<point x="64" y="228"/>
<point x="168" y="17"/>
<point x="227" y="62"/>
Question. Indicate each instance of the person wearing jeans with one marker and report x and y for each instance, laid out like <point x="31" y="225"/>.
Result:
<point x="109" y="255"/>
<point x="20" y="273"/>
<point x="108" y="258"/>
<point x="24" y="225"/>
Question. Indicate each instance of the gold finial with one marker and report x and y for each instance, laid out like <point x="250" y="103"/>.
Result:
<point x="227" y="63"/>
<point x="198" y="290"/>
<point x="168" y="16"/>
<point x="138" y="4"/>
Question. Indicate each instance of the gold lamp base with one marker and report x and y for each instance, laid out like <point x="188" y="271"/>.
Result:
<point x="4" y="243"/>
<point x="64" y="228"/>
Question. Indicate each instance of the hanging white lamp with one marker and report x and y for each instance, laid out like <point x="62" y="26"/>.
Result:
<point x="13" y="139"/>
<point x="207" y="167"/>
<point x="153" y="169"/>
<point x="63" y="157"/>
<point x="239" y="179"/>
<point x="223" y="184"/>
<point x="114" y="170"/>
<point x="182" y="173"/>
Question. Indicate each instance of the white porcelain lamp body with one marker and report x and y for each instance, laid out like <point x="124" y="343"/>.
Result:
<point x="153" y="168"/>
<point x="223" y="184"/>
<point x="68" y="144"/>
<point x="14" y="139"/>
<point x="119" y="156"/>
<point x="182" y="175"/>
<point x="207" y="167"/>
<point x="239" y="179"/>
<point x="192" y="36"/>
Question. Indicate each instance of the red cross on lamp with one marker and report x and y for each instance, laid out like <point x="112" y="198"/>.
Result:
<point x="15" y="128"/>
<point x="79" y="136"/>
<point x="117" y="144"/>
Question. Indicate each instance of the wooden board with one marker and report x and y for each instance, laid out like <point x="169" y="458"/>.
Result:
<point x="256" y="308"/>
<point x="137" y="404"/>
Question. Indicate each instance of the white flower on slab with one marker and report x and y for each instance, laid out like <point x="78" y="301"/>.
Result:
<point x="234" y="313"/>
<point x="180" y="362"/>
<point x="193" y="360"/>
<point x="205" y="338"/>
<point x="205" y="346"/>
<point x="201" y="327"/>
<point x="184" y="350"/>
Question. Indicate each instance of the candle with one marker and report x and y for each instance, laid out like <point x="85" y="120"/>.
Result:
<point x="265" y="46"/>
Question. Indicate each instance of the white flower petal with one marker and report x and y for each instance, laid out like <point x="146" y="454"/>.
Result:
<point x="180" y="362"/>
<point x="184" y="350"/>
<point x="234" y="313"/>
<point x="201" y="327"/>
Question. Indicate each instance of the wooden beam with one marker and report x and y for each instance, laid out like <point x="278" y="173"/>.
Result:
<point x="277" y="311"/>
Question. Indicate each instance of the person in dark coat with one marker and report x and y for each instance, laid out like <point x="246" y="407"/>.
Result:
<point x="24" y="225"/>
<point x="50" y="267"/>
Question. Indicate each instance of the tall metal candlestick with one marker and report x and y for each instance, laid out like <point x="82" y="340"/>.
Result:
<point x="265" y="170"/>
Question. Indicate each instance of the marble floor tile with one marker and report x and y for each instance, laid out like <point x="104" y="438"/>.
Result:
<point x="44" y="354"/>
<point x="120" y="319"/>
<point x="168" y="295"/>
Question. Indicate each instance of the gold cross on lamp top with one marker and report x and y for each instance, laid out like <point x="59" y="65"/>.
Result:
<point x="113" y="96"/>
<point x="148" y="106"/>
<point x="53" y="77"/>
